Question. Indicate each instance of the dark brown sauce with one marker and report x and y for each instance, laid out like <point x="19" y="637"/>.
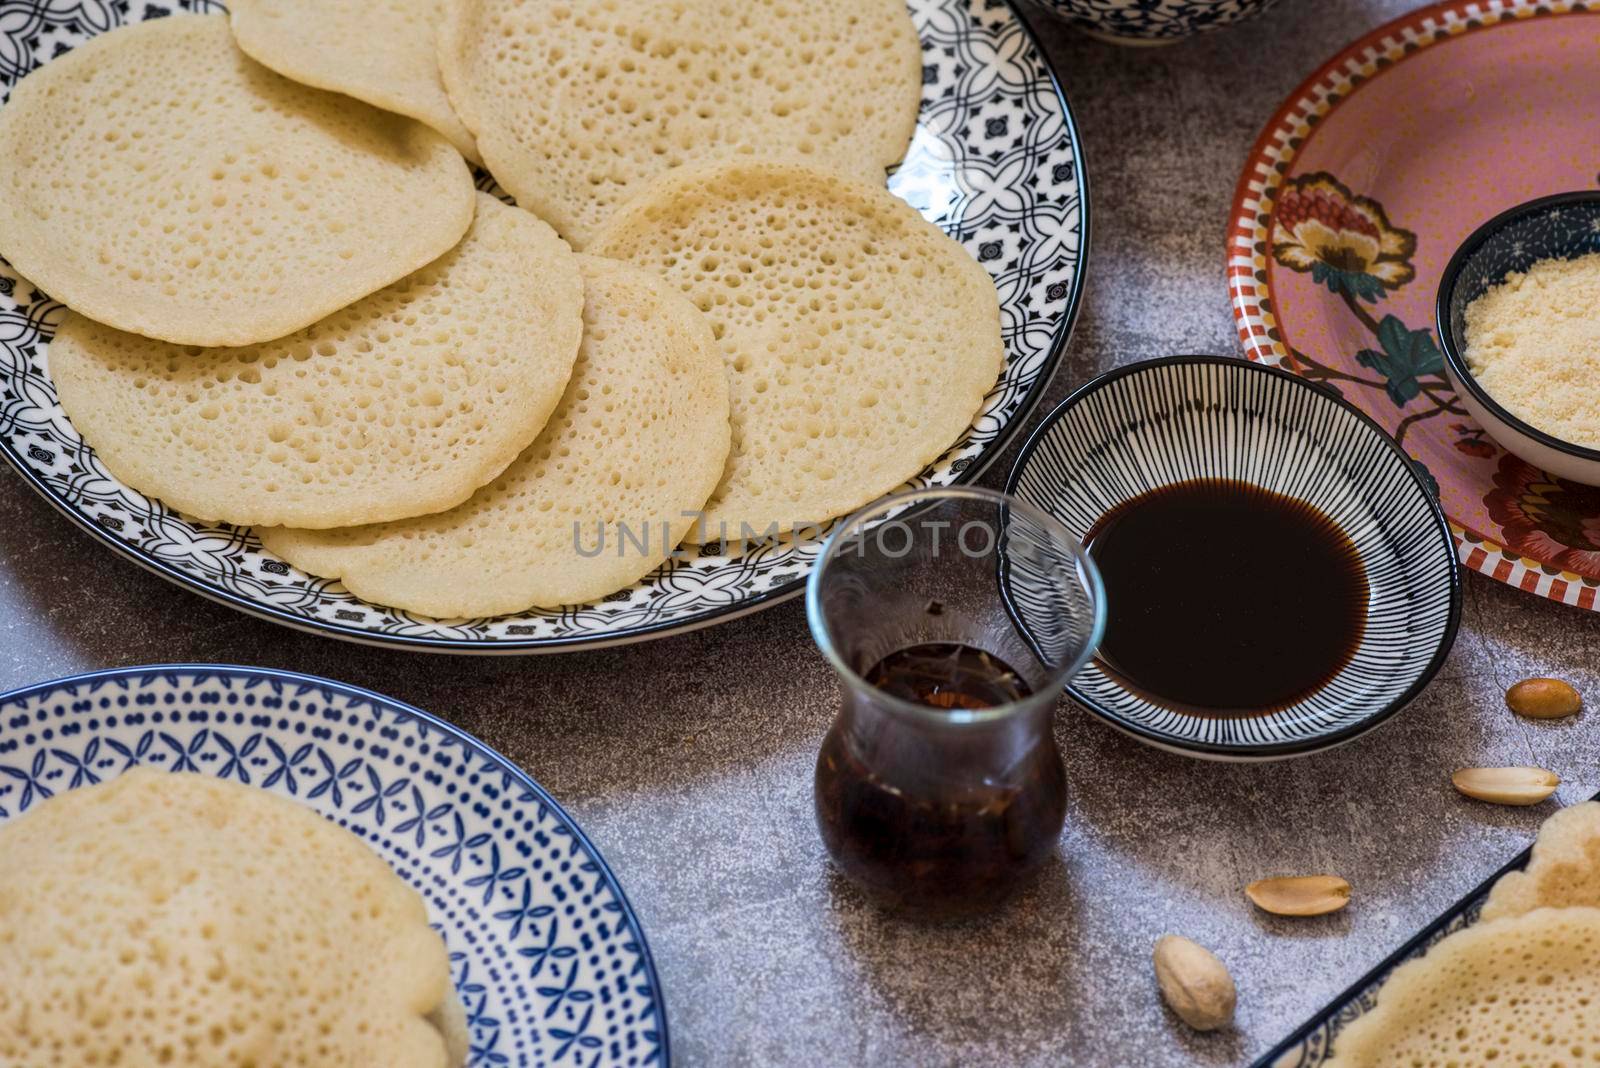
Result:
<point x="1225" y="599"/>
<point x="948" y="675"/>
<point x="939" y="827"/>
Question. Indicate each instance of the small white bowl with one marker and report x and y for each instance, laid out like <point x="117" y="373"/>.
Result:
<point x="1556" y="227"/>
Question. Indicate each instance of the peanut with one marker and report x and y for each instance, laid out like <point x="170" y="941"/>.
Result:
<point x="1194" y="983"/>
<point x="1300" y="895"/>
<point x="1506" y="786"/>
<point x="1543" y="699"/>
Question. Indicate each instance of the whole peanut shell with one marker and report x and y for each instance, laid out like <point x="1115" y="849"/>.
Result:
<point x="1194" y="983"/>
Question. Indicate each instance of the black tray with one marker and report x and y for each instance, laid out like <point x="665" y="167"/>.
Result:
<point x="1312" y="1042"/>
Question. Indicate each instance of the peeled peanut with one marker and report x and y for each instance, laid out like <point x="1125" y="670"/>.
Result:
<point x="1194" y="983"/>
<point x="1543" y="699"/>
<point x="1300" y="895"/>
<point x="1506" y="786"/>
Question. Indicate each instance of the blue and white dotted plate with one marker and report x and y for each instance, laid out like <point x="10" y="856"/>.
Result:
<point x="995" y="162"/>
<point x="545" y="952"/>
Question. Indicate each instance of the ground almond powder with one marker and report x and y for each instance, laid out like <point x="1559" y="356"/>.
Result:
<point x="1533" y="342"/>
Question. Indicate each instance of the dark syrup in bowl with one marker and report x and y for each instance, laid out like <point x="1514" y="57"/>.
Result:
<point x="1224" y="599"/>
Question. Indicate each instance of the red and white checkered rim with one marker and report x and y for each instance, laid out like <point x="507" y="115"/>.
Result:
<point x="1270" y="160"/>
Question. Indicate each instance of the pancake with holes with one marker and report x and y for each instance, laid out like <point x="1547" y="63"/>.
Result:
<point x="173" y="918"/>
<point x="578" y="103"/>
<point x="860" y="340"/>
<point x="382" y="51"/>
<point x="1523" y="991"/>
<point x="402" y="404"/>
<point x="160" y="181"/>
<point x="594" y="504"/>
<point x="1564" y="869"/>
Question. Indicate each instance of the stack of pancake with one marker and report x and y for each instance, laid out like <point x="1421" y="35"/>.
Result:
<point x="707" y="319"/>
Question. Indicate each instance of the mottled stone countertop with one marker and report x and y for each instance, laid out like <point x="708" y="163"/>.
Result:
<point x="689" y="760"/>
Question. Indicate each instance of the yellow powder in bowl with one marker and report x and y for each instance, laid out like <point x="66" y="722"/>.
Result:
<point x="1533" y="342"/>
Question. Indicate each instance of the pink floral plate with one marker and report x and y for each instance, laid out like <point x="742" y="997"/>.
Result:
<point x="1355" y="196"/>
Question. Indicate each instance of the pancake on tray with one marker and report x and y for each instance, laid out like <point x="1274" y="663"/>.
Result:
<point x="860" y="340"/>
<point x="402" y="404"/>
<point x="577" y="103"/>
<point x="174" y="918"/>
<point x="160" y="181"/>
<point x="596" y="502"/>
<point x="1563" y="870"/>
<point x="1518" y="991"/>
<point x="382" y="51"/>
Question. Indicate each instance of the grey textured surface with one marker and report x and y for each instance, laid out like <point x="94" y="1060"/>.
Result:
<point x="689" y="760"/>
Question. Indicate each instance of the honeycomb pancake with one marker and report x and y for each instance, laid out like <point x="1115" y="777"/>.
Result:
<point x="860" y="340"/>
<point x="402" y="404"/>
<point x="1564" y="869"/>
<point x="384" y="52"/>
<point x="449" y="1018"/>
<point x="177" y="919"/>
<point x="160" y="181"/>
<point x="1518" y="991"/>
<point x="576" y="104"/>
<point x="640" y="439"/>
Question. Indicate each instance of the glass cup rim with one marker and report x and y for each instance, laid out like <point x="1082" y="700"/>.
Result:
<point x="1058" y="679"/>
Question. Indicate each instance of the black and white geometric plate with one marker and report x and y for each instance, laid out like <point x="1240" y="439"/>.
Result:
<point x="1183" y="418"/>
<point x="995" y="162"/>
<point x="547" y="956"/>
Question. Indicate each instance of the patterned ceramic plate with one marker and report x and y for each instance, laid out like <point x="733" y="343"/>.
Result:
<point x="995" y="162"/>
<point x="1355" y="197"/>
<point x="1315" y="1041"/>
<point x="547" y="956"/>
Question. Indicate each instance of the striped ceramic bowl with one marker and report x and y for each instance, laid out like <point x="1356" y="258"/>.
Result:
<point x="1160" y="422"/>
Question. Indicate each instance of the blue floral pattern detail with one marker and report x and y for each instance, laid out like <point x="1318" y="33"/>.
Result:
<point x="994" y="162"/>
<point x="548" y="959"/>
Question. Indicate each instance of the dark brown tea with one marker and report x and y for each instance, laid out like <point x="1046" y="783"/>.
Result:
<point x="1226" y="599"/>
<point x="937" y="818"/>
<point x="948" y="675"/>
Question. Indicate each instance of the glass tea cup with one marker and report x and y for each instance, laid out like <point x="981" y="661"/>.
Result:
<point x="953" y="618"/>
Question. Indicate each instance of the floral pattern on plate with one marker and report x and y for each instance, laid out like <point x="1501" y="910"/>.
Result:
<point x="1357" y="193"/>
<point x="994" y="161"/>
